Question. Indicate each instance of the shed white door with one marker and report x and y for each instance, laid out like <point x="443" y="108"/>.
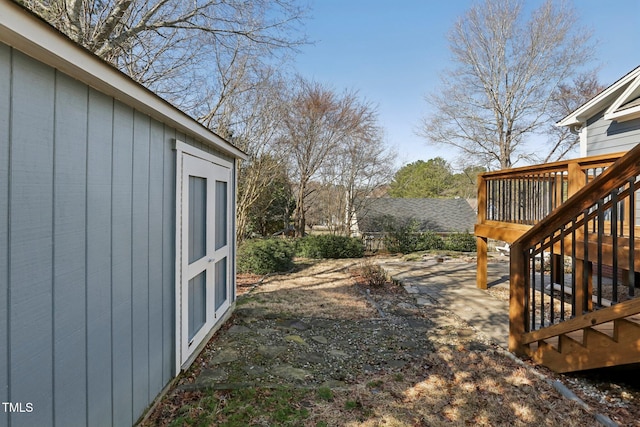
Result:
<point x="204" y="249"/>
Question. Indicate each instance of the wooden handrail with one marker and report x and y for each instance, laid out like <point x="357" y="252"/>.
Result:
<point x="615" y="176"/>
<point x="559" y="166"/>
<point x="623" y="309"/>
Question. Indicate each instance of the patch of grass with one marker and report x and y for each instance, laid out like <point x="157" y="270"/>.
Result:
<point x="244" y="407"/>
<point x="351" y="404"/>
<point x="375" y="384"/>
<point x="398" y="377"/>
<point x="325" y="393"/>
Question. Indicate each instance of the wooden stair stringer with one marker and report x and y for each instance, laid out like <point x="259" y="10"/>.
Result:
<point x="598" y="349"/>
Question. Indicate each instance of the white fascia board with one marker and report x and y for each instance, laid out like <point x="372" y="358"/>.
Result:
<point x="600" y="101"/>
<point x="25" y="32"/>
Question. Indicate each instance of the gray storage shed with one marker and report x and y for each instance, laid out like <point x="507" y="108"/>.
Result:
<point x="117" y="242"/>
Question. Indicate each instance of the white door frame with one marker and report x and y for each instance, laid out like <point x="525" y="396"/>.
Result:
<point x="191" y="161"/>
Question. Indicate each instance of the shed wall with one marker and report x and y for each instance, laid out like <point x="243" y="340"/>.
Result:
<point x="605" y="136"/>
<point x="87" y="250"/>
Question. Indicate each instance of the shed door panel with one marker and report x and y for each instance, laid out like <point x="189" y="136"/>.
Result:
<point x="204" y="250"/>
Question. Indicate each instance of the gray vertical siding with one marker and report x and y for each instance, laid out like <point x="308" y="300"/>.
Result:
<point x="31" y="240"/>
<point x="99" y="259"/>
<point x="69" y="264"/>
<point x="5" y="95"/>
<point x="605" y="136"/>
<point x="87" y="251"/>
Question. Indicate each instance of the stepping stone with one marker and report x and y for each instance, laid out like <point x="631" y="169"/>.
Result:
<point x="224" y="356"/>
<point x="208" y="377"/>
<point x="289" y="372"/>
<point x="296" y="339"/>
<point x="238" y="329"/>
<point x="320" y="339"/>
<point x="271" y="351"/>
<point x="293" y="323"/>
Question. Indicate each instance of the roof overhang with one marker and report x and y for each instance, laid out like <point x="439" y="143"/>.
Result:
<point x="31" y="35"/>
<point x="618" y="100"/>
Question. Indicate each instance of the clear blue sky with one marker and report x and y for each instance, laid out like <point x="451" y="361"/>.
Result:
<point x="392" y="53"/>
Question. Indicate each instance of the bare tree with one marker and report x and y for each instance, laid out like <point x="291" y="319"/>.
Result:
<point x="363" y="165"/>
<point x="249" y="115"/>
<point x="507" y="70"/>
<point x="316" y="122"/>
<point x="566" y="99"/>
<point x="170" y="45"/>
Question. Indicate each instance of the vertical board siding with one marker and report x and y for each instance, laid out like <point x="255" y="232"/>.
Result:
<point x="69" y="290"/>
<point x="155" y="221"/>
<point x="31" y="240"/>
<point x="5" y="103"/>
<point x="87" y="250"/>
<point x="121" y="273"/>
<point x="140" y="258"/>
<point x="168" y="256"/>
<point x="99" y="316"/>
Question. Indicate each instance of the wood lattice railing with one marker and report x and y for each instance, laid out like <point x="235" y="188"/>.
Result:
<point x="576" y="266"/>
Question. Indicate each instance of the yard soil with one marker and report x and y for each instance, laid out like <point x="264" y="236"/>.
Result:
<point x="362" y="356"/>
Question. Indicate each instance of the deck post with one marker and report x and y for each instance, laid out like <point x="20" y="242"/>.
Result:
<point x="481" y="242"/>
<point x="577" y="178"/>
<point x="481" y="270"/>
<point x="517" y="292"/>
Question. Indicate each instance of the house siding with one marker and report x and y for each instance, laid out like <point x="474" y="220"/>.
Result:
<point x="87" y="250"/>
<point x="605" y="136"/>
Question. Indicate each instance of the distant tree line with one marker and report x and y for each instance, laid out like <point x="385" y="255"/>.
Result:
<point x="433" y="179"/>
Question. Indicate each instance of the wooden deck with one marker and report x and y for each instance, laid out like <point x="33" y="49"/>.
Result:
<point x="572" y="303"/>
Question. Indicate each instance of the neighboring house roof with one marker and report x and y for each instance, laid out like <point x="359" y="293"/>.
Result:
<point x="621" y="101"/>
<point x="439" y="215"/>
<point x="19" y="29"/>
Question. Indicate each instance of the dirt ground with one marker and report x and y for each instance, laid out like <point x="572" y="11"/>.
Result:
<point x="362" y="356"/>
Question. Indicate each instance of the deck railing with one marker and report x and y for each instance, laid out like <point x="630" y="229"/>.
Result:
<point x="581" y="257"/>
<point x="528" y="194"/>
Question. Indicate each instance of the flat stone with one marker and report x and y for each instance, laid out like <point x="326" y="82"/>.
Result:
<point x="209" y="377"/>
<point x="396" y="364"/>
<point x="320" y="339"/>
<point x="224" y="356"/>
<point x="423" y="301"/>
<point x="311" y="358"/>
<point x="411" y="289"/>
<point x="271" y="351"/>
<point x="293" y="323"/>
<point x="238" y="329"/>
<point x="406" y="306"/>
<point x="254" y="371"/>
<point x="296" y="339"/>
<point x="288" y="371"/>
<point x="339" y="354"/>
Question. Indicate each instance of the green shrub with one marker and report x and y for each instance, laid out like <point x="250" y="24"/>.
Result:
<point x="429" y="241"/>
<point x="329" y="246"/>
<point x="263" y="256"/>
<point x="401" y="236"/>
<point x="461" y="242"/>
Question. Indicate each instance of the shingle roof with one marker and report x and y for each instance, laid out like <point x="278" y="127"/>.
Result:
<point x="439" y="215"/>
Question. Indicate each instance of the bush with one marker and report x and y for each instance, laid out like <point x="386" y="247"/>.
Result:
<point x="401" y="236"/>
<point x="461" y="242"/>
<point x="373" y="274"/>
<point x="265" y="256"/>
<point x="329" y="246"/>
<point x="429" y="241"/>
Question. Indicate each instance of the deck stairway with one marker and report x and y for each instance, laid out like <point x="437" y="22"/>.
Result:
<point x="575" y="251"/>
